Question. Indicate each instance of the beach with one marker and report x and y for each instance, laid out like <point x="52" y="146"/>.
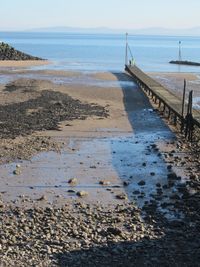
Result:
<point x="90" y="173"/>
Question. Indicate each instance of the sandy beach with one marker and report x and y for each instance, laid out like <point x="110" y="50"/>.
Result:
<point x="91" y="174"/>
<point x="22" y="64"/>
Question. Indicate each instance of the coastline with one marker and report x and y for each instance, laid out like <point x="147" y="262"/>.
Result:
<point x="22" y="63"/>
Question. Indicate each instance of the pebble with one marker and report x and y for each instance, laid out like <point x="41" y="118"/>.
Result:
<point x="42" y="198"/>
<point x="82" y="193"/>
<point x="73" y="181"/>
<point x="17" y="171"/>
<point x="104" y="182"/>
<point x="121" y="196"/>
<point x="141" y="183"/>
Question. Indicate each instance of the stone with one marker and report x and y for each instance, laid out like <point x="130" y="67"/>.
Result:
<point x="82" y="193"/>
<point x="141" y="183"/>
<point x="73" y="181"/>
<point x="172" y="176"/>
<point x="158" y="185"/>
<point x="114" y="231"/>
<point x="104" y="182"/>
<point x="125" y="183"/>
<point x="121" y="196"/>
<point x="17" y="171"/>
<point x="71" y="191"/>
<point x="42" y="198"/>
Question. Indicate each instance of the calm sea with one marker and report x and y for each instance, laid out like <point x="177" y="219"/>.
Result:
<point x="94" y="52"/>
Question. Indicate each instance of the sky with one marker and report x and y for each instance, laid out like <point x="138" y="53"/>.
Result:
<point x="117" y="14"/>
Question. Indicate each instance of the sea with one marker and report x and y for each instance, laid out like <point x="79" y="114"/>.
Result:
<point x="106" y="52"/>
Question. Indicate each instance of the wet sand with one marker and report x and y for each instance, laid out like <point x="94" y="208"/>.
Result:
<point x="22" y="64"/>
<point x="94" y="149"/>
<point x="138" y="178"/>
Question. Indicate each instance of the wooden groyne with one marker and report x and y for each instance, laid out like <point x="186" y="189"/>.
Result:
<point x="167" y="101"/>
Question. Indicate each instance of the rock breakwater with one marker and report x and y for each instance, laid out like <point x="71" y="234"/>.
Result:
<point x="8" y="52"/>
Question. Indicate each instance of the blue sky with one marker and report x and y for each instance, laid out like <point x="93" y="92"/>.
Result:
<point x="127" y="14"/>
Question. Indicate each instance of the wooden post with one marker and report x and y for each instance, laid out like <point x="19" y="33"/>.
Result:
<point x="189" y="119"/>
<point x="191" y="128"/>
<point x="183" y="106"/>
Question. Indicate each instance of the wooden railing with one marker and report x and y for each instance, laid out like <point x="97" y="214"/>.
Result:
<point x="168" y="101"/>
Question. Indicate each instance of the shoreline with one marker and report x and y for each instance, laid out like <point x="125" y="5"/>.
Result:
<point x="22" y="63"/>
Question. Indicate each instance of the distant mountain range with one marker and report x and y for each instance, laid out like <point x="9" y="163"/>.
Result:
<point x="146" y="31"/>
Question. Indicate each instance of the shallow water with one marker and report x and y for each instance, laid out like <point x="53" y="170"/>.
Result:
<point x="81" y="79"/>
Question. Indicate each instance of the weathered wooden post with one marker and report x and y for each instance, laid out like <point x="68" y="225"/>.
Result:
<point x="183" y="106"/>
<point x="189" y="119"/>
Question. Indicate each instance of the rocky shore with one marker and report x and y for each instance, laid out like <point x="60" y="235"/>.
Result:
<point x="8" y="52"/>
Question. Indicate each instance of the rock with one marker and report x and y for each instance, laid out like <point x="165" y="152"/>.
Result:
<point x="71" y="191"/>
<point x="141" y="183"/>
<point x="194" y="176"/>
<point x="169" y="167"/>
<point x="114" y="231"/>
<point x="125" y="183"/>
<point x="158" y="185"/>
<point x="1" y="204"/>
<point x="17" y="171"/>
<point x="172" y="176"/>
<point x="82" y="193"/>
<point x="7" y="52"/>
<point x="93" y="167"/>
<point x="121" y="196"/>
<point x="104" y="182"/>
<point x="42" y="198"/>
<point x="73" y="181"/>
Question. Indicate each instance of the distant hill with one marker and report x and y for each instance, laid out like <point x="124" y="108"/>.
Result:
<point x="7" y="52"/>
<point x="144" y="31"/>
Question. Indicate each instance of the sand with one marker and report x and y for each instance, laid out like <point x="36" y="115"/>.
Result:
<point x="21" y="64"/>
